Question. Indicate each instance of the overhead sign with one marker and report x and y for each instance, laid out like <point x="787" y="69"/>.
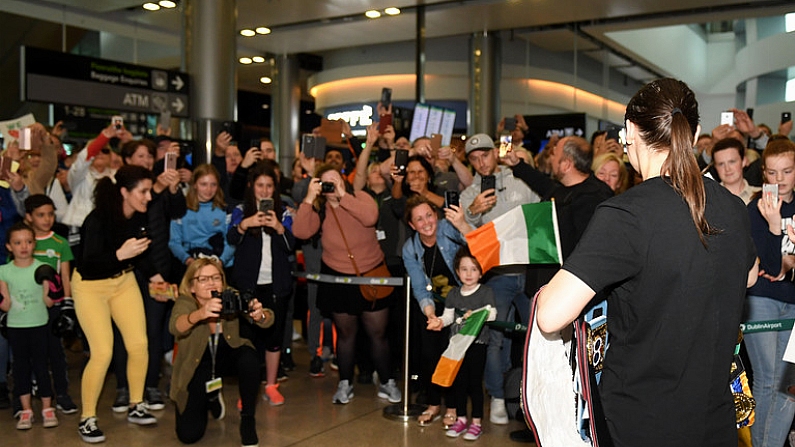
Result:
<point x="63" y="78"/>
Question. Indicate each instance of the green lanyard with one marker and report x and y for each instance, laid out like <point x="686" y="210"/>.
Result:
<point x="213" y="342"/>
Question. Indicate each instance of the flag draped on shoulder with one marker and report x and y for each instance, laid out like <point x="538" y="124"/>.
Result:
<point x="452" y="358"/>
<point x="527" y="234"/>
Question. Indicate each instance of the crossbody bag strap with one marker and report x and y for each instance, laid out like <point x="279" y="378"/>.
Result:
<point x="345" y="241"/>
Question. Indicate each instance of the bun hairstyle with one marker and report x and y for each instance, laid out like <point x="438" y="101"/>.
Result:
<point x="665" y="112"/>
<point x="107" y="193"/>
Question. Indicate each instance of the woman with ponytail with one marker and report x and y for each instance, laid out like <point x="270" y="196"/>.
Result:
<point x="104" y="289"/>
<point x="674" y="256"/>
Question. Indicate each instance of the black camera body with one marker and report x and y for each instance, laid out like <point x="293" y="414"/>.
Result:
<point x="233" y="303"/>
<point x="327" y="187"/>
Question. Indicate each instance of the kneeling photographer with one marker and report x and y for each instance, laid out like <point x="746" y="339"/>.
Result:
<point x="207" y="310"/>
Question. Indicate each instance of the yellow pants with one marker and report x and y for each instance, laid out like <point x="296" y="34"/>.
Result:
<point x="96" y="303"/>
<point x="744" y="437"/>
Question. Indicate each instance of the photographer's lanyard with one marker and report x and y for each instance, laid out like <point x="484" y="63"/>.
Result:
<point x="214" y="384"/>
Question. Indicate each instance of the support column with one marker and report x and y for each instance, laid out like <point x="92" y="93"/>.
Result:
<point x="484" y="87"/>
<point x="286" y="112"/>
<point x="211" y="60"/>
<point x="419" y="92"/>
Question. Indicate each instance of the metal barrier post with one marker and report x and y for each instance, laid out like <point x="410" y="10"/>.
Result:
<point x="405" y="411"/>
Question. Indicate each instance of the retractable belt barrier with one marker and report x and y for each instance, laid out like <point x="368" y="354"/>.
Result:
<point x="766" y="326"/>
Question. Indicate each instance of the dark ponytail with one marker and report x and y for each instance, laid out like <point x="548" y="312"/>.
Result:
<point x="108" y="201"/>
<point x="665" y="112"/>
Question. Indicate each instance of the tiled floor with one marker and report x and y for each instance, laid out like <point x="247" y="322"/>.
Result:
<point x="308" y="418"/>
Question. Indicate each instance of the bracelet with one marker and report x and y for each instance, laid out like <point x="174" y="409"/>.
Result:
<point x="188" y="318"/>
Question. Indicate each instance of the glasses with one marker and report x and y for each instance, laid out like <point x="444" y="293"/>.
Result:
<point x="206" y="279"/>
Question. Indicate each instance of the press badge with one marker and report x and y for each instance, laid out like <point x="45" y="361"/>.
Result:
<point x="213" y="385"/>
<point x="380" y="235"/>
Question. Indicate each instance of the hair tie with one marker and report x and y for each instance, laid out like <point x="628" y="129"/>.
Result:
<point x="675" y="111"/>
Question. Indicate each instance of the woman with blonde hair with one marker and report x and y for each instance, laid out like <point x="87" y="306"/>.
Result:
<point x="609" y="168"/>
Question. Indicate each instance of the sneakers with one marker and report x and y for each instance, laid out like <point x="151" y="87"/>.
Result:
<point x="248" y="431"/>
<point x="65" y="404"/>
<point x="153" y="399"/>
<point x="287" y="362"/>
<point x="498" y="415"/>
<point x="316" y="367"/>
<point x="333" y="364"/>
<point x="344" y="393"/>
<point x="389" y="391"/>
<point x="139" y="415"/>
<point x="458" y="428"/>
<point x="122" y="402"/>
<point x="281" y="375"/>
<point x="25" y="421"/>
<point x="473" y="432"/>
<point x="89" y="432"/>
<point x="49" y="418"/>
<point x="217" y="406"/>
<point x="273" y="396"/>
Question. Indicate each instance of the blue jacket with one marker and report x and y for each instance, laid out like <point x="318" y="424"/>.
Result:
<point x="248" y="255"/>
<point x="195" y="229"/>
<point x="449" y="240"/>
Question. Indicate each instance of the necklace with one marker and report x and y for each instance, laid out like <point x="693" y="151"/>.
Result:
<point x="429" y="286"/>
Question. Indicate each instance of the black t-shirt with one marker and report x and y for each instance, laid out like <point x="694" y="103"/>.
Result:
<point x="674" y="310"/>
<point x="442" y="278"/>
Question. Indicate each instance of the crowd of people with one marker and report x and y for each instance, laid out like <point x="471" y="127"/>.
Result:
<point x="150" y="253"/>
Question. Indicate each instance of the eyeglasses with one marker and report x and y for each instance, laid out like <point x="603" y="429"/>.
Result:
<point x="206" y="279"/>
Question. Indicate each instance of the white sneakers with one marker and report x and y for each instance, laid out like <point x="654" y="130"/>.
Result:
<point x="498" y="415"/>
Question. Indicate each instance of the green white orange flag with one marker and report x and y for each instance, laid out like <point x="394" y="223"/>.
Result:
<point x="453" y="356"/>
<point x="527" y="234"/>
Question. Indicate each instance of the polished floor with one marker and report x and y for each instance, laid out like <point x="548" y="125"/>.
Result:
<point x="308" y="418"/>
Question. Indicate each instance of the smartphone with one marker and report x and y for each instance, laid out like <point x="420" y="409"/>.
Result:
<point x="171" y="161"/>
<point x="386" y="97"/>
<point x="401" y="160"/>
<point x="727" y="118"/>
<point x="505" y="144"/>
<point x="510" y="124"/>
<point x="384" y="120"/>
<point x="143" y="233"/>
<point x="313" y="147"/>
<point x="786" y="117"/>
<point x="228" y="127"/>
<point x="436" y="142"/>
<point x="612" y="134"/>
<point x="24" y="139"/>
<point x="770" y="192"/>
<point x="5" y="167"/>
<point x="117" y="121"/>
<point x="750" y="112"/>
<point x="265" y="205"/>
<point x="331" y="130"/>
<point x="488" y="182"/>
<point x="450" y="198"/>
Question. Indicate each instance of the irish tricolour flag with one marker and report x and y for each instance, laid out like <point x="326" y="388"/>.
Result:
<point x="527" y="234"/>
<point x="453" y="356"/>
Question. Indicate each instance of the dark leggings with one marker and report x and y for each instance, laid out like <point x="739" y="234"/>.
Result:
<point x="157" y="314"/>
<point x="272" y="338"/>
<point x="374" y="324"/>
<point x="242" y="362"/>
<point x="469" y="382"/>
<point x="57" y="356"/>
<point x="29" y="347"/>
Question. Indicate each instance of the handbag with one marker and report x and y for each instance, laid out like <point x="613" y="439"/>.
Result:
<point x="370" y="292"/>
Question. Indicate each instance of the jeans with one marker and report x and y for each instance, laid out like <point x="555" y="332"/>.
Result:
<point x="508" y="289"/>
<point x="775" y="407"/>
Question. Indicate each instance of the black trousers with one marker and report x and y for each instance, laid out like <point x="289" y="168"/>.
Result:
<point x="29" y="346"/>
<point x="469" y="381"/>
<point x="242" y="362"/>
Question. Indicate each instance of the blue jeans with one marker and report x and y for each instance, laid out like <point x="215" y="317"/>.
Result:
<point x="508" y="289"/>
<point x="775" y="407"/>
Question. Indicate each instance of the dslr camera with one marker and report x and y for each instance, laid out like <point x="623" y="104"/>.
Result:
<point x="233" y="303"/>
<point x="327" y="187"/>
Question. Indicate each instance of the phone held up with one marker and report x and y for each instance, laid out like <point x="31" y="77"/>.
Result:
<point x="727" y="118"/>
<point x="401" y="160"/>
<point x="505" y="145"/>
<point x="386" y="97"/>
<point x="770" y="193"/>
<point x="171" y="161"/>
<point x="312" y="146"/>
<point x="488" y="182"/>
<point x="265" y="205"/>
<point x="786" y="117"/>
<point x="450" y="198"/>
<point x="117" y="121"/>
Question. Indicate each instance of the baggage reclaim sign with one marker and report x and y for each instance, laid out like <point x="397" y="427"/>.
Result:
<point x="63" y="78"/>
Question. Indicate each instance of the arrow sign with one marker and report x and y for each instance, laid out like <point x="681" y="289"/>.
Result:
<point x="178" y="105"/>
<point x="178" y="83"/>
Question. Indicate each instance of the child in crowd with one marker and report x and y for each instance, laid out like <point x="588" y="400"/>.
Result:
<point x="54" y="250"/>
<point x="468" y="384"/>
<point x="26" y="303"/>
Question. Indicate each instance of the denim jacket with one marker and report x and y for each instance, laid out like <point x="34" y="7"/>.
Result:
<point x="449" y="240"/>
